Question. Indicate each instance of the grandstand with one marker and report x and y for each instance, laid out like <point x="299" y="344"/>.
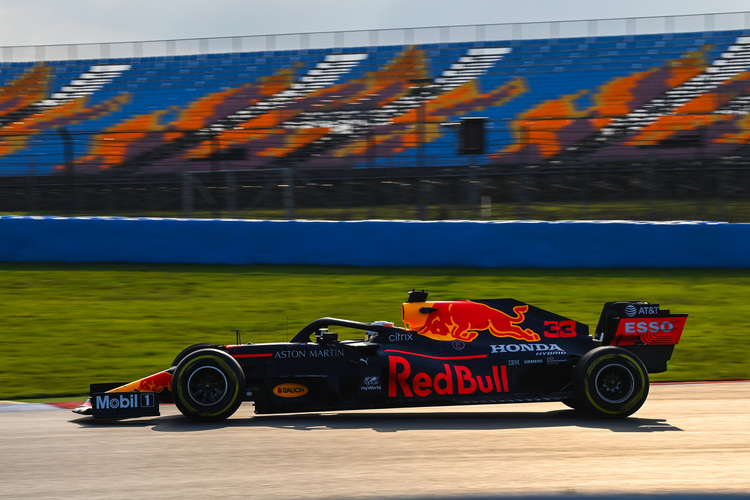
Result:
<point x="586" y="118"/>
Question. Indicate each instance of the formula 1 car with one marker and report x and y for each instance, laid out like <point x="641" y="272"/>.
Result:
<point x="449" y="352"/>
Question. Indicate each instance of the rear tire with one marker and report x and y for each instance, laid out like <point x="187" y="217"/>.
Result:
<point x="610" y="382"/>
<point x="208" y="385"/>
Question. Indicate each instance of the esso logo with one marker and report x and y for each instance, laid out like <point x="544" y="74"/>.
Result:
<point x="648" y="326"/>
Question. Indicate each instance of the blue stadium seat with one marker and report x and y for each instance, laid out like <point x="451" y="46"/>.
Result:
<point x="266" y="100"/>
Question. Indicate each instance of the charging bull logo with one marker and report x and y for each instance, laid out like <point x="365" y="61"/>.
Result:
<point x="464" y="319"/>
<point x="153" y="383"/>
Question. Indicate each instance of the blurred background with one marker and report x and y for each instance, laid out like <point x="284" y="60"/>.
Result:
<point x="641" y="118"/>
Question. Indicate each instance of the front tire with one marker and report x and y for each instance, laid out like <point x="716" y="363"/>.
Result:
<point x="208" y="385"/>
<point x="610" y="382"/>
<point x="190" y="349"/>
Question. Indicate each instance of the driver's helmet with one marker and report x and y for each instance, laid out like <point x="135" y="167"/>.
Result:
<point x="370" y="335"/>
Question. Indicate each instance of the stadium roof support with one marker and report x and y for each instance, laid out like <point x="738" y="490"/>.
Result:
<point x="658" y="25"/>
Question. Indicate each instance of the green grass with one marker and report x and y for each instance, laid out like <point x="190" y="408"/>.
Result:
<point x="63" y="326"/>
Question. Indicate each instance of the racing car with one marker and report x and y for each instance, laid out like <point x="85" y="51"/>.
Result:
<point x="447" y="353"/>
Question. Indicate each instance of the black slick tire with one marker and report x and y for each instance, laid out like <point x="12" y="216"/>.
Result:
<point x="610" y="382"/>
<point x="190" y="349"/>
<point x="208" y="385"/>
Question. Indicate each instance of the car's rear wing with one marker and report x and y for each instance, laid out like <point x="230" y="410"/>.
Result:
<point x="642" y="328"/>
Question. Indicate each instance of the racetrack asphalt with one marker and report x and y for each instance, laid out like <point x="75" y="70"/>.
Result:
<point x="688" y="441"/>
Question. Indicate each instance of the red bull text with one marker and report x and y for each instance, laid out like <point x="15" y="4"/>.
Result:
<point x="452" y="380"/>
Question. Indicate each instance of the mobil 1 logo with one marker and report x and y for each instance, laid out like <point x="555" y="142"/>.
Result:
<point x="125" y="404"/>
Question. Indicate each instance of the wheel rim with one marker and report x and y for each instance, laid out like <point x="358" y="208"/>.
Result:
<point x="615" y="383"/>
<point x="207" y="385"/>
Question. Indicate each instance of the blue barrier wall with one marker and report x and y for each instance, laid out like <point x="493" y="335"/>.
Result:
<point x="375" y="243"/>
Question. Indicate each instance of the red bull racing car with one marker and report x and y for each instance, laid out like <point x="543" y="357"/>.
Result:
<point x="448" y="352"/>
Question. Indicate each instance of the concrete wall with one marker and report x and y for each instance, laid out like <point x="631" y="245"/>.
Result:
<point x="375" y="243"/>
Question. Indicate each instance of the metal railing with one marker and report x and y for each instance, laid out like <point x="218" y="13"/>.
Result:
<point x="666" y="25"/>
<point x="432" y="145"/>
<point x="677" y="191"/>
<point x="680" y="180"/>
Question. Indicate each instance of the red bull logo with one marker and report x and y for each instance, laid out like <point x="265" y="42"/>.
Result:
<point x="464" y="319"/>
<point x="153" y="383"/>
<point x="452" y="380"/>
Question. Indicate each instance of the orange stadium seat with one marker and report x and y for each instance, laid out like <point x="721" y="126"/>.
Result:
<point x="545" y="99"/>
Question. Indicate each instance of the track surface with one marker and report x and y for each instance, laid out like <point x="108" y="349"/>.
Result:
<point x="687" y="439"/>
